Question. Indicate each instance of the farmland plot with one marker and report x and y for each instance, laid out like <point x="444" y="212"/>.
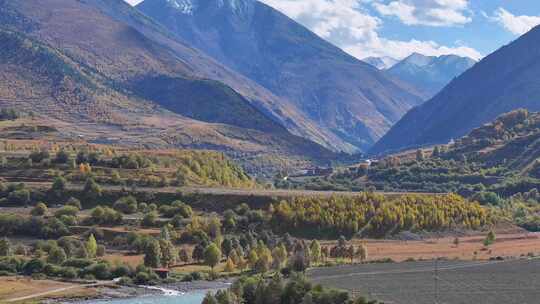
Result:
<point x="449" y="282"/>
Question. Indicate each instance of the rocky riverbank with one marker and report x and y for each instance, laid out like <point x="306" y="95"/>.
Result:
<point x="135" y="292"/>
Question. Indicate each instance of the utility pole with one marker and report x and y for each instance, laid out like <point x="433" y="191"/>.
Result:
<point x="436" y="282"/>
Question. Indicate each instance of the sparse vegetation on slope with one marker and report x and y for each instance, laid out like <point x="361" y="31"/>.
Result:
<point x="499" y="158"/>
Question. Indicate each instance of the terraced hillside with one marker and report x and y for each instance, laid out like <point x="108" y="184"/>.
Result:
<point x="76" y="77"/>
<point x="500" y="157"/>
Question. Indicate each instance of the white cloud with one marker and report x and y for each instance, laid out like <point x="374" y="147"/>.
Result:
<point x="329" y="18"/>
<point x="427" y="12"/>
<point x="515" y="24"/>
<point x="400" y="49"/>
<point x="347" y="24"/>
<point x="134" y="2"/>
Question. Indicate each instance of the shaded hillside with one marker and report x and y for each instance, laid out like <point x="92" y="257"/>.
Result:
<point x="501" y="82"/>
<point x="278" y="109"/>
<point x="205" y="100"/>
<point x="76" y="76"/>
<point x="344" y="96"/>
<point x="430" y="74"/>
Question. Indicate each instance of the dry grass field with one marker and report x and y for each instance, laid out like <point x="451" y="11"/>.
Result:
<point x="470" y="247"/>
<point x="12" y="288"/>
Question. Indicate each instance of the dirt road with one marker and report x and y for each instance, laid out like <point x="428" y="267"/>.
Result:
<point x="55" y="291"/>
<point x="225" y="191"/>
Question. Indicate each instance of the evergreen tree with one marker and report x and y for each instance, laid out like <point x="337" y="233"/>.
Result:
<point x="5" y="247"/>
<point x="183" y="255"/>
<point x="165" y="234"/>
<point x="315" y="250"/>
<point x="209" y="299"/>
<point x="152" y="254"/>
<point x="490" y="238"/>
<point x="226" y="247"/>
<point x="92" y="190"/>
<point x="198" y="253"/>
<point x="168" y="253"/>
<point x="56" y="255"/>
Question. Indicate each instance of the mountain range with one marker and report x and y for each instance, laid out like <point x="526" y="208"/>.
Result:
<point x="381" y="63"/>
<point x="104" y="70"/>
<point x="343" y="96"/>
<point x="428" y="74"/>
<point x="505" y="80"/>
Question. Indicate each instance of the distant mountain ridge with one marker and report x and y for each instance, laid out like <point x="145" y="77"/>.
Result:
<point x="381" y="63"/>
<point x="342" y="95"/>
<point x="430" y="74"/>
<point x="501" y="82"/>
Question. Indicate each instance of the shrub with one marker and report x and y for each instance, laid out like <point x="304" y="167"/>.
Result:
<point x="100" y="271"/>
<point x="38" y="156"/>
<point x="33" y="266"/>
<point x="127" y="205"/>
<point x="77" y="263"/>
<point x="66" y="210"/>
<point x="56" y="256"/>
<point x="101" y="250"/>
<point x="62" y="157"/>
<point x="74" y="203"/>
<point x="150" y="219"/>
<point x="39" y="210"/>
<point x="68" y="273"/>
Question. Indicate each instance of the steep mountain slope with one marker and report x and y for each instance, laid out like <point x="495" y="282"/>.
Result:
<point x="381" y="63"/>
<point x="344" y="96"/>
<point x="503" y="81"/>
<point x="279" y="109"/>
<point x="93" y="75"/>
<point x="429" y="73"/>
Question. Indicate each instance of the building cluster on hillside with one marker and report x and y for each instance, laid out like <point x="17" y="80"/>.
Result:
<point x="315" y="171"/>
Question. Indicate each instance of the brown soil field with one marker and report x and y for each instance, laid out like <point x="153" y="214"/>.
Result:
<point x="509" y="244"/>
<point x="18" y="287"/>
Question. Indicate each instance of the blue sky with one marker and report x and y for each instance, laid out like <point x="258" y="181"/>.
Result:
<point x="397" y="28"/>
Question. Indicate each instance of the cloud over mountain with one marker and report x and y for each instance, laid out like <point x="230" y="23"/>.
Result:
<point x="517" y="25"/>
<point x="429" y="13"/>
<point x="350" y="25"/>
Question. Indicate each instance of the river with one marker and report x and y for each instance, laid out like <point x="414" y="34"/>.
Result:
<point x="192" y="297"/>
<point x="178" y="293"/>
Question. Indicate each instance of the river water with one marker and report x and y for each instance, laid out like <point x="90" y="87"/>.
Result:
<point x="193" y="297"/>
